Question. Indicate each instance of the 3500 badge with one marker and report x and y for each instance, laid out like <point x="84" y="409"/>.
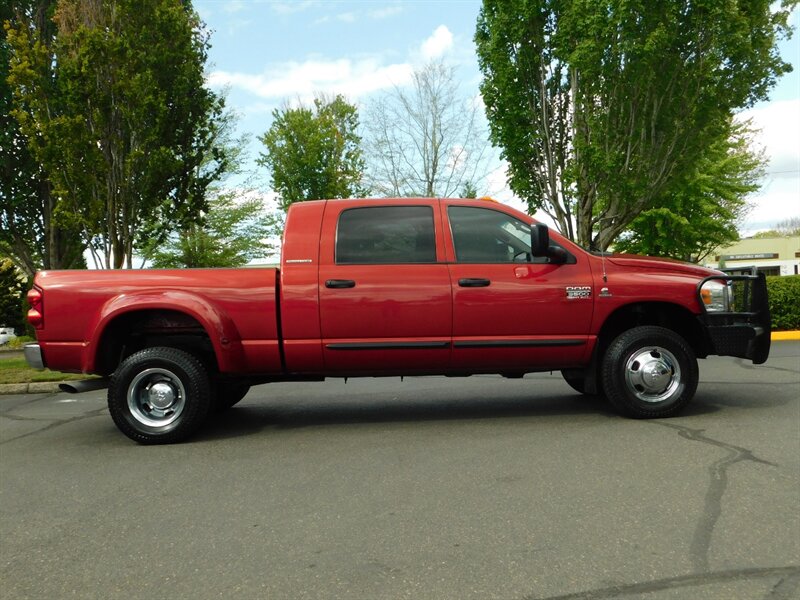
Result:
<point x="580" y="291"/>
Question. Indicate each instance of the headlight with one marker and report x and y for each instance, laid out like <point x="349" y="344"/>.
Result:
<point x="716" y="296"/>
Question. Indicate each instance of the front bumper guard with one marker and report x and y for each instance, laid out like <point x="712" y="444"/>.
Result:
<point x="745" y="331"/>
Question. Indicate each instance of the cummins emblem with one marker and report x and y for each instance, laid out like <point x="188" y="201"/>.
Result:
<point x="579" y="291"/>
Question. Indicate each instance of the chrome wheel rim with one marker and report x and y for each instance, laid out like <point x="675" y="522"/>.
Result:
<point x="156" y="397"/>
<point x="653" y="374"/>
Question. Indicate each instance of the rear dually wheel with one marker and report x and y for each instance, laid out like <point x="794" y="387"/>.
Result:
<point x="159" y="395"/>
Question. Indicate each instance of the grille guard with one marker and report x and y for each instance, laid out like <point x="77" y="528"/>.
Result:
<point x="745" y="331"/>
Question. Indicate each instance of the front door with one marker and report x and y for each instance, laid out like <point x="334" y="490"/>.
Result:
<point x="510" y="312"/>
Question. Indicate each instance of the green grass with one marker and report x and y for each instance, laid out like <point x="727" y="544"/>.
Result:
<point x="16" y="370"/>
<point x="18" y="342"/>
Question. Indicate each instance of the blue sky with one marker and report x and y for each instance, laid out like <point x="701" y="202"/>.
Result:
<point x="265" y="52"/>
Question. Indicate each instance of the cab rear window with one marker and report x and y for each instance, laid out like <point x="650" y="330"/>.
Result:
<point x="386" y="235"/>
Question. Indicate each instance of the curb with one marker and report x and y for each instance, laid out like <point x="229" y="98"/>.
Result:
<point x="785" y="335"/>
<point x="36" y="387"/>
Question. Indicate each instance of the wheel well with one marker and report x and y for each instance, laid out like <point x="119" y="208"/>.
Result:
<point x="670" y="316"/>
<point x="134" y="331"/>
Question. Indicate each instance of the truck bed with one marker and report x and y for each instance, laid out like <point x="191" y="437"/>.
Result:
<point x="236" y="306"/>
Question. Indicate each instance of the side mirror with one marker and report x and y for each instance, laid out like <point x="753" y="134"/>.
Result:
<point x="557" y="255"/>
<point x="540" y="245"/>
<point x="540" y="240"/>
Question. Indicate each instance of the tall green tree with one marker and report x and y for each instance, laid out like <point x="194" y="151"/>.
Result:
<point x="234" y="230"/>
<point x="314" y="152"/>
<point x="225" y="158"/>
<point x="29" y="232"/>
<point x="122" y="127"/>
<point x="702" y="213"/>
<point x="231" y="234"/>
<point x="602" y="108"/>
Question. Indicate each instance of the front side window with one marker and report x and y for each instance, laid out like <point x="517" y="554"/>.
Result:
<point x="386" y="235"/>
<point x="483" y="235"/>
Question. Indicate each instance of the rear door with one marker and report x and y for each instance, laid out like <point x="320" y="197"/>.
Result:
<point x="384" y="288"/>
<point x="512" y="313"/>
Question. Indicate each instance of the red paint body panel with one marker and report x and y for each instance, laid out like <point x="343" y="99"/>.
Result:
<point x="630" y="286"/>
<point x="394" y="319"/>
<point x="299" y="297"/>
<point x="522" y="302"/>
<point x="390" y="304"/>
<point x="236" y="307"/>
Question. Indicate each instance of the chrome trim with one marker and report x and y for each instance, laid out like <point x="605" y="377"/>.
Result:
<point x="33" y="355"/>
<point x="653" y="374"/>
<point x="156" y="398"/>
<point x="579" y="292"/>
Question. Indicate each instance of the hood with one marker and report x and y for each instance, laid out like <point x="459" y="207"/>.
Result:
<point x="660" y="264"/>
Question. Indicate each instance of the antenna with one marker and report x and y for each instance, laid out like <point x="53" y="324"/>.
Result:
<point x="602" y="252"/>
<point x="603" y="262"/>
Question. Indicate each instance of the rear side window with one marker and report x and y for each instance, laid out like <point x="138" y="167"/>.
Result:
<point x="383" y="235"/>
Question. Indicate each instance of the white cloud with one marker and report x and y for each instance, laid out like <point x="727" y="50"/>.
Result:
<point x="236" y="25"/>
<point x="234" y="6"/>
<point x="302" y="80"/>
<point x="440" y="41"/>
<point x="345" y="17"/>
<point x="385" y="13"/>
<point x="288" y="8"/>
<point x="778" y="125"/>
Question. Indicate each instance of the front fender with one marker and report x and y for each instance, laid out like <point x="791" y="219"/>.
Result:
<point x="221" y="330"/>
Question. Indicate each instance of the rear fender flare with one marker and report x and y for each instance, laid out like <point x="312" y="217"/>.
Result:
<point x="220" y="328"/>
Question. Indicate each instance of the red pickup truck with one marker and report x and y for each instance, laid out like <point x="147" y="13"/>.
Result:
<point x="394" y="287"/>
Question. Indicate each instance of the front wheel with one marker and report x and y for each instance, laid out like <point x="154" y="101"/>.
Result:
<point x="159" y="395"/>
<point x="649" y="372"/>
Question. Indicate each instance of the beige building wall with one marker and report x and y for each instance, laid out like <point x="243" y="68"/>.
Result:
<point x="773" y="256"/>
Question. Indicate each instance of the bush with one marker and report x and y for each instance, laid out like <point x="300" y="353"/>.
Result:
<point x="18" y="342"/>
<point x="784" y="302"/>
<point x="12" y="288"/>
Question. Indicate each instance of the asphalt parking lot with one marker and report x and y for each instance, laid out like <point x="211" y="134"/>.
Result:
<point x="430" y="488"/>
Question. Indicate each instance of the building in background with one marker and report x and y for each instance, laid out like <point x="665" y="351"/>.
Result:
<point x="771" y="256"/>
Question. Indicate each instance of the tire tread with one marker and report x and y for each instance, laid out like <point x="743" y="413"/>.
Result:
<point x="612" y="367"/>
<point x="195" y="380"/>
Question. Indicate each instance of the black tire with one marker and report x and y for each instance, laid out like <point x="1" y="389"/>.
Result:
<point x="649" y="372"/>
<point x="228" y="394"/>
<point x="159" y="395"/>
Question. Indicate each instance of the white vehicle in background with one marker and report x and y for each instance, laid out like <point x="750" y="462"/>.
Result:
<point x="6" y="335"/>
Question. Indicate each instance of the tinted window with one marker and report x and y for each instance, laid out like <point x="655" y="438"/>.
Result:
<point x="386" y="235"/>
<point x="488" y="236"/>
